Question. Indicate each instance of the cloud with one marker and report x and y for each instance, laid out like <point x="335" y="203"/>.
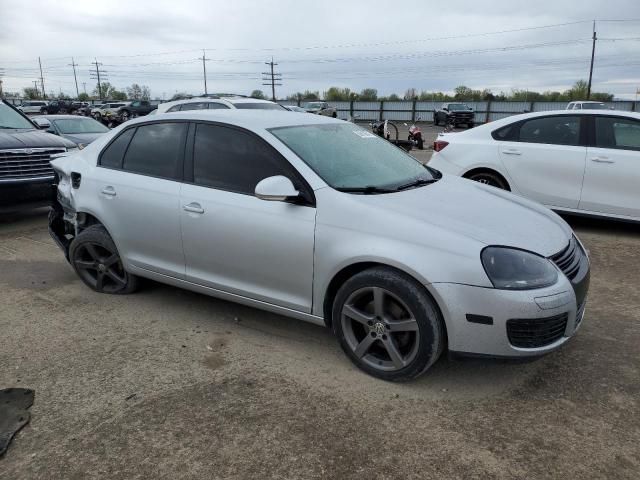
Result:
<point x="354" y="44"/>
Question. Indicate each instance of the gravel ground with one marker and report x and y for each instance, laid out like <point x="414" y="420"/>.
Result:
<point x="171" y="384"/>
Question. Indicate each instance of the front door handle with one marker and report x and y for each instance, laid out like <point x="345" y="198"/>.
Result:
<point x="109" y="191"/>
<point x="512" y="151"/>
<point x="602" y="160"/>
<point x="193" y="207"/>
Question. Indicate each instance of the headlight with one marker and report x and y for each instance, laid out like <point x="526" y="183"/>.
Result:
<point x="512" y="269"/>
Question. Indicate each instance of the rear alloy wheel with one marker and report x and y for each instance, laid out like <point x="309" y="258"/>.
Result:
<point x="95" y="259"/>
<point x="489" y="178"/>
<point x="125" y="115"/>
<point x="387" y="324"/>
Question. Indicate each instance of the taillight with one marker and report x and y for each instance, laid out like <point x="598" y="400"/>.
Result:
<point x="438" y="145"/>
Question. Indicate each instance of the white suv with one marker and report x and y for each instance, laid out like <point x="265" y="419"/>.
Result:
<point x="35" y="106"/>
<point x="206" y="103"/>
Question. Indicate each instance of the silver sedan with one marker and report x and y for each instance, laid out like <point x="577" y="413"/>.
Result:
<point x="323" y="221"/>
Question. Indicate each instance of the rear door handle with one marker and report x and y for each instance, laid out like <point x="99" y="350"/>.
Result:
<point x="602" y="160"/>
<point x="512" y="151"/>
<point x="193" y="207"/>
<point x="109" y="191"/>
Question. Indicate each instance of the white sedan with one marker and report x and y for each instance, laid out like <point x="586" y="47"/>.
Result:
<point x="585" y="162"/>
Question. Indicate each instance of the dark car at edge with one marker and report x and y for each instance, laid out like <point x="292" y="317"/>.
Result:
<point x="26" y="175"/>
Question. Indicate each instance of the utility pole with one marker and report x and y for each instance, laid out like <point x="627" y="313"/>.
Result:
<point x="593" y="53"/>
<point x="272" y="79"/>
<point x="204" y="69"/>
<point x="35" y="85"/>
<point x="74" y="65"/>
<point x="84" y="87"/>
<point x="44" y="93"/>
<point x="97" y="76"/>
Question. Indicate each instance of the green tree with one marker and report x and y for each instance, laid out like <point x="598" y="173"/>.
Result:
<point x="411" y="94"/>
<point x="134" y="92"/>
<point x="83" y="97"/>
<point x="393" y="98"/>
<point x="109" y="92"/>
<point x="146" y="93"/>
<point x="462" y="93"/>
<point x="368" y="95"/>
<point x="31" y="93"/>
<point x="257" y="94"/>
<point x="337" y="94"/>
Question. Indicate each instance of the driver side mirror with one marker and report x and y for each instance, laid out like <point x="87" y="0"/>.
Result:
<point x="276" y="189"/>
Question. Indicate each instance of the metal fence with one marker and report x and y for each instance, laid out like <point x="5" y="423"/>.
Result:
<point x="408" y="111"/>
<point x="419" y="110"/>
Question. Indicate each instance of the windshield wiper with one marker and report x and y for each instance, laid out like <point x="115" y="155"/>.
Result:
<point x="369" y="189"/>
<point x="417" y="183"/>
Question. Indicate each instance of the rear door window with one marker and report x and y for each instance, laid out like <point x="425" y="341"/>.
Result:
<point x="112" y="156"/>
<point x="557" y="130"/>
<point x="157" y="150"/>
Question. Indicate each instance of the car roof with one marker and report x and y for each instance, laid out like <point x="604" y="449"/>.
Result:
<point x="247" y="100"/>
<point x="524" y="116"/>
<point x="62" y="117"/>
<point x="250" y="119"/>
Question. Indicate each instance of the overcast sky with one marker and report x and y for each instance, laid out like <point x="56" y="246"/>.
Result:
<point x="386" y="45"/>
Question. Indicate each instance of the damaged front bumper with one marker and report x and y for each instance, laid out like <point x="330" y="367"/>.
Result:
<point x="62" y="216"/>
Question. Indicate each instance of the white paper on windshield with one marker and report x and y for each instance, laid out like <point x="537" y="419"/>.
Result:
<point x="364" y="134"/>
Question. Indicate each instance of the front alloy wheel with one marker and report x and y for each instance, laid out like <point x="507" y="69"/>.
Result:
<point x="380" y="329"/>
<point x="387" y="324"/>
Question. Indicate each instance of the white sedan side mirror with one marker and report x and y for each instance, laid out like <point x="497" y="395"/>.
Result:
<point x="276" y="189"/>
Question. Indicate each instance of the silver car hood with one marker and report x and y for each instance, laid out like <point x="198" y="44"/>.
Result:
<point x="468" y="209"/>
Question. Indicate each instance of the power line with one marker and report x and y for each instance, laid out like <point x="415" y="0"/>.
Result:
<point x="275" y="78"/>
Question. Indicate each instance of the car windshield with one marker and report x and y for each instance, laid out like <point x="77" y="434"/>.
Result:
<point x="349" y="157"/>
<point x="458" y="106"/>
<point x="9" y="118"/>
<point x="312" y="105"/>
<point x="79" y="125"/>
<point x="259" y="106"/>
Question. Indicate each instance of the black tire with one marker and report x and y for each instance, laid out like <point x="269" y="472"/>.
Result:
<point x="416" y="348"/>
<point x="95" y="258"/>
<point x="334" y="115"/>
<point x="44" y="111"/>
<point x="470" y="125"/>
<point x="435" y="119"/>
<point x="488" y="177"/>
<point x="420" y="144"/>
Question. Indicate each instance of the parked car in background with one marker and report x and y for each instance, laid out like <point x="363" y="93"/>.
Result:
<point x="80" y="130"/>
<point x="34" y="106"/>
<point x="454" y="114"/>
<point x="585" y="162"/>
<point x="25" y="173"/>
<point x="112" y="108"/>
<point x="218" y="103"/>
<point x="320" y="108"/>
<point x="323" y="221"/>
<point x="587" y="105"/>
<point x="136" y="108"/>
